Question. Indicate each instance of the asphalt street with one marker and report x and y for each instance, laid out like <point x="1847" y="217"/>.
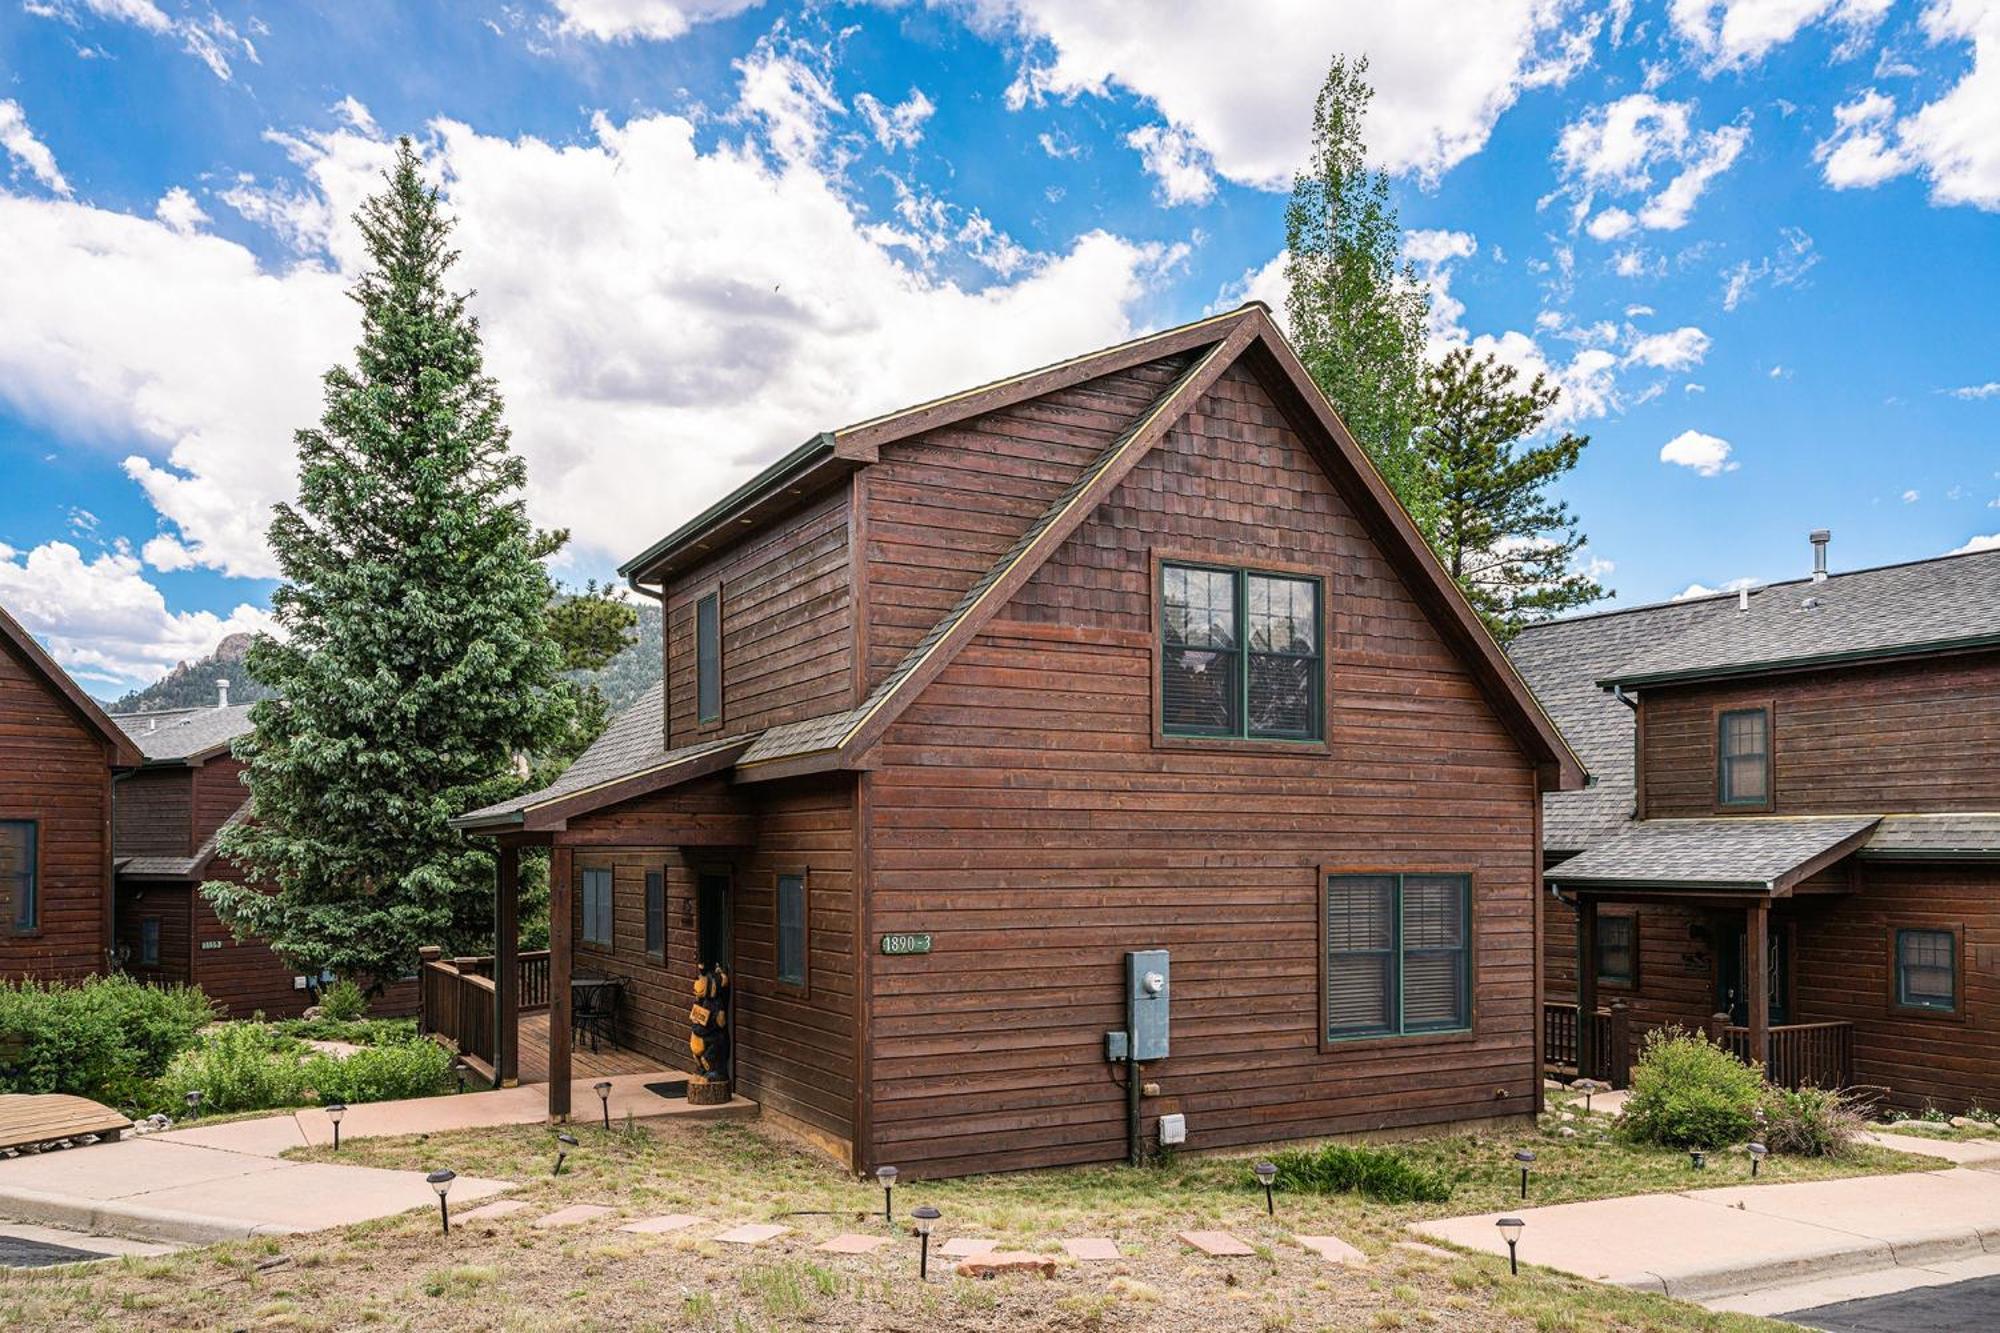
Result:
<point x="1956" y="1307"/>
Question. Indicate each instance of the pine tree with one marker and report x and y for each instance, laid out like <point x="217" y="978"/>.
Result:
<point x="1508" y="543"/>
<point x="1358" y="313"/>
<point x="417" y="664"/>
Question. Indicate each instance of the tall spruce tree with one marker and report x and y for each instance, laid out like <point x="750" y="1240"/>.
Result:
<point x="1504" y="538"/>
<point x="417" y="665"/>
<point x="1358" y="313"/>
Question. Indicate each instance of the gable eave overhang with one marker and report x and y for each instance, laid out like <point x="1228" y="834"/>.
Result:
<point x="123" y="752"/>
<point x="554" y="813"/>
<point x="1802" y="662"/>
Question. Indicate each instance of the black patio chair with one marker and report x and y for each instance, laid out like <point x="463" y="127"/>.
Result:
<point x="593" y="1008"/>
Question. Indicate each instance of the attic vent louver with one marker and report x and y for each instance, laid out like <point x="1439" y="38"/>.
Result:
<point x="1819" y="539"/>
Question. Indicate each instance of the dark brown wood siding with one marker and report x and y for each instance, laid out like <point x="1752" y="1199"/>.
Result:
<point x="169" y="903"/>
<point x="218" y="793"/>
<point x="944" y="505"/>
<point x="1023" y="814"/>
<point x="1918" y="736"/>
<point x="55" y="769"/>
<point x="787" y="638"/>
<point x="152" y="812"/>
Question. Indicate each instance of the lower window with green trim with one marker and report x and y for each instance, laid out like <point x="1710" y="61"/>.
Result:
<point x="1927" y="970"/>
<point x="1398" y="954"/>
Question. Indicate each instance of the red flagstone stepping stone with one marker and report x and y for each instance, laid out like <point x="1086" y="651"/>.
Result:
<point x="654" y="1226"/>
<point x="852" y="1244"/>
<point x="964" y="1247"/>
<point x="498" y="1208"/>
<point x="1086" y="1249"/>
<point x="1335" y="1249"/>
<point x="998" y="1263"/>
<point x="752" y="1233"/>
<point x="1216" y="1244"/>
<point x="1428" y="1251"/>
<point x="574" y="1214"/>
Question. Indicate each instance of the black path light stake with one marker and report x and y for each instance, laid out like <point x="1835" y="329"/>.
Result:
<point x="1757" y="1152"/>
<point x="1587" y="1086"/>
<point x="604" y="1097"/>
<point x="335" y="1110"/>
<point x="925" y="1215"/>
<point x="193" y="1100"/>
<point x="1526" y="1161"/>
<point x="1267" y="1176"/>
<point x="886" y="1175"/>
<point x="564" y="1142"/>
<point x="1510" y="1231"/>
<point x="441" y="1182"/>
<point x="1697" y="1159"/>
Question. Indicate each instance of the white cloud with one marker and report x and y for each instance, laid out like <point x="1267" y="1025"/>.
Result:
<point x="1974" y="392"/>
<point x="1707" y="455"/>
<point x="28" y="152"/>
<point x="1733" y="33"/>
<point x="1176" y="162"/>
<point x="1989" y="542"/>
<point x="1433" y="247"/>
<point x="898" y="126"/>
<point x="642" y="20"/>
<point x="1622" y="147"/>
<point x="102" y="620"/>
<point x="208" y="37"/>
<point x="1694" y="590"/>
<point x="1588" y="379"/>
<point x="1954" y="141"/>
<point x="1911" y="497"/>
<point x="1240" y="79"/>
<point x="663" y="319"/>
<point x="179" y="211"/>
<point x="1786" y="267"/>
<point x="1682" y="349"/>
<point x="1266" y="283"/>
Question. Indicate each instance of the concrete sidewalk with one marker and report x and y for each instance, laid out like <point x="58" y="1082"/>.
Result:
<point x="1705" y="1244"/>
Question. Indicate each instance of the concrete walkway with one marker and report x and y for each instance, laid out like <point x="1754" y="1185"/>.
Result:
<point x="1705" y="1244"/>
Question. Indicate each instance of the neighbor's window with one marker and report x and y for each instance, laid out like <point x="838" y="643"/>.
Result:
<point x="17" y="873"/>
<point x="1617" y="949"/>
<point x="1743" y="753"/>
<point x="656" y="913"/>
<point x="708" y="658"/>
<point x="1398" y="954"/>
<point x="1240" y="654"/>
<point x="149" y="941"/>
<point x="597" y="906"/>
<point x="1927" y="969"/>
<point x="792" y="929"/>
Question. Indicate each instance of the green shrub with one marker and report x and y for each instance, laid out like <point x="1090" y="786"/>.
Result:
<point x="104" y="1038"/>
<point x="237" y="1067"/>
<point x="1812" y="1122"/>
<point x="416" y="1068"/>
<point x="343" y="1002"/>
<point x="354" y="1031"/>
<point x="1687" y="1092"/>
<point x="1378" y="1173"/>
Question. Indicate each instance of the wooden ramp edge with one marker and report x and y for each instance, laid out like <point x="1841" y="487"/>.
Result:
<point x="30" y="1119"/>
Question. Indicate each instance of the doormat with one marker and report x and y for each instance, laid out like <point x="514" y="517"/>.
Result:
<point x="678" y="1088"/>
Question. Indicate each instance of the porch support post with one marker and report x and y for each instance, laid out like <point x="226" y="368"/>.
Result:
<point x="1757" y="979"/>
<point x="560" y="941"/>
<point x="507" y="966"/>
<point x="1587" y="1054"/>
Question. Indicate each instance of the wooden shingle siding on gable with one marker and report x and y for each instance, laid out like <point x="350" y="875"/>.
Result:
<point x="54" y="770"/>
<point x="1022" y="813"/>
<point x="154" y="814"/>
<point x="1911" y="737"/>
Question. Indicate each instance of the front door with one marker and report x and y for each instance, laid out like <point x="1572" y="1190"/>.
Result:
<point x="711" y="910"/>
<point x="1733" y="965"/>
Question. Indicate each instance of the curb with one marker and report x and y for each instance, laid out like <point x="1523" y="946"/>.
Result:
<point x="133" y="1221"/>
<point x="1866" y="1256"/>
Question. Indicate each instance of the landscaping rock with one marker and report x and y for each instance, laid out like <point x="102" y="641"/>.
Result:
<point x="1961" y="1122"/>
<point x="1000" y="1263"/>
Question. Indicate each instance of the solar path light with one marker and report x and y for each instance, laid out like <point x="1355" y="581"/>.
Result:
<point x="1510" y="1231"/>
<point x="1267" y="1176"/>
<point x="441" y="1182"/>
<point x="334" y="1111"/>
<point x="1757" y="1154"/>
<point x="193" y="1100"/>
<point x="886" y="1176"/>
<point x="1697" y="1159"/>
<point x="925" y="1215"/>
<point x="1526" y="1161"/>
<point x="603" y="1091"/>
<point x="564" y="1142"/>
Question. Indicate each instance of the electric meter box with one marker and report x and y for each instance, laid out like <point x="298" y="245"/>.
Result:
<point x="1146" y="999"/>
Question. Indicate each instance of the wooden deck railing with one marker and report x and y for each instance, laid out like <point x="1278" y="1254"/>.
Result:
<point x="1819" y="1054"/>
<point x="457" y="1004"/>
<point x="1612" y="1029"/>
<point x="532" y="973"/>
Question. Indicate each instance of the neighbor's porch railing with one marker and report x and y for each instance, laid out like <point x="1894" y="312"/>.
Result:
<point x="1612" y="1029"/>
<point x="1820" y="1054"/>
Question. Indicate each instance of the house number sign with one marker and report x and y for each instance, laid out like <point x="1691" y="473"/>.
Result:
<point x="916" y="943"/>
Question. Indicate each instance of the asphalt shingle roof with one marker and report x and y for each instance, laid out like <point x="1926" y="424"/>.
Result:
<point x="1968" y="834"/>
<point x="1729" y="853"/>
<point x="182" y="867"/>
<point x="1954" y="599"/>
<point x="183" y="732"/>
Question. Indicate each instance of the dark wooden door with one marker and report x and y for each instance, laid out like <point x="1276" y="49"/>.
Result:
<point x="712" y="934"/>
<point x="1733" y="963"/>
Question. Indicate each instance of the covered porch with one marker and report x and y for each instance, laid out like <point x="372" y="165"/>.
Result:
<point x="1699" y="923"/>
<point x="459" y="1003"/>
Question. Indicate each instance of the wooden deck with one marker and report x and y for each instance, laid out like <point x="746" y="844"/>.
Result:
<point x="584" y="1062"/>
<point x="27" y="1120"/>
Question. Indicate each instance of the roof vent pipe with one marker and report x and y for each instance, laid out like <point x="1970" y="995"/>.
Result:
<point x="1743" y="600"/>
<point x="222" y="692"/>
<point x="1820" y="537"/>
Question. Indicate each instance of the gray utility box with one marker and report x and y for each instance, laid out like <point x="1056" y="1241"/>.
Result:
<point x="1146" y="999"/>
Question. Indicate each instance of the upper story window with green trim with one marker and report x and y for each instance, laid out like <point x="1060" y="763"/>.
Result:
<point x="708" y="658"/>
<point x="1743" y="757"/>
<point x="1241" y="654"/>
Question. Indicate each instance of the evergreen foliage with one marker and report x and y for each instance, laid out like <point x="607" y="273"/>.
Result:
<point x="1357" y="312"/>
<point x="1508" y="543"/>
<point x="417" y="666"/>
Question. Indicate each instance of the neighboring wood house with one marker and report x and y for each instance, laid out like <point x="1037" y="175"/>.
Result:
<point x="1793" y="837"/>
<point x="57" y="752"/>
<point x="965" y="702"/>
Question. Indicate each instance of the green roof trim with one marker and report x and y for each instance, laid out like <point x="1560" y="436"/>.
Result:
<point x="1804" y="662"/>
<point x="813" y="451"/>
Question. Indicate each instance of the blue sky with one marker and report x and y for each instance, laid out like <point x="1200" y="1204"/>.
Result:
<point x="1754" y="240"/>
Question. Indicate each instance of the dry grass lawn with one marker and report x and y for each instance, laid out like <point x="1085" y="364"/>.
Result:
<point x="400" y="1273"/>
